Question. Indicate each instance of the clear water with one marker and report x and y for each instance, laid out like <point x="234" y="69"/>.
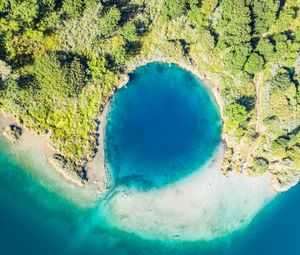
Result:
<point x="36" y="219"/>
<point x="162" y="126"/>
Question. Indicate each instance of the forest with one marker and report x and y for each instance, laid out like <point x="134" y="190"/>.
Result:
<point x="62" y="60"/>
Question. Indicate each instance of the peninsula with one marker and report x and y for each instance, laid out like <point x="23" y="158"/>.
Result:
<point x="62" y="61"/>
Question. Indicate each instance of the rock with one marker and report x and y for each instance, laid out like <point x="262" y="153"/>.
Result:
<point x="13" y="133"/>
<point x="283" y="183"/>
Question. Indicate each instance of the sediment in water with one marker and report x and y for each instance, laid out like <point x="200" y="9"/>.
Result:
<point x="204" y="206"/>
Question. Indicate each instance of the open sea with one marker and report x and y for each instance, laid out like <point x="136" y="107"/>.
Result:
<point x="37" y="218"/>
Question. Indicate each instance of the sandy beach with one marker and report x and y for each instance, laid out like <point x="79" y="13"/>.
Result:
<point x="99" y="178"/>
<point x="35" y="151"/>
<point x="204" y="206"/>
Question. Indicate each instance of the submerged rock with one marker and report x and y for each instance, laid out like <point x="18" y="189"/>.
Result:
<point x="13" y="133"/>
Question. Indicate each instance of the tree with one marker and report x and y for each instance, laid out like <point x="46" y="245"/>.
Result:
<point x="119" y="56"/>
<point x="264" y="13"/>
<point x="90" y="3"/>
<point x="97" y="67"/>
<point x="286" y="18"/>
<point x="208" y="6"/>
<point x="129" y="32"/>
<point x="236" y="113"/>
<point x="200" y="11"/>
<point x="47" y="5"/>
<point x="4" y="6"/>
<point x="236" y="116"/>
<point x="254" y="63"/>
<point x="24" y="11"/>
<point x="73" y="8"/>
<point x="260" y="165"/>
<point x="76" y="77"/>
<point x="265" y="49"/>
<point x="50" y="74"/>
<point x="8" y="88"/>
<point x="233" y="26"/>
<point x="280" y="82"/>
<point x="281" y="43"/>
<point x="173" y="9"/>
<point x="20" y="47"/>
<point x="237" y="56"/>
<point x="234" y="32"/>
<point x="109" y="22"/>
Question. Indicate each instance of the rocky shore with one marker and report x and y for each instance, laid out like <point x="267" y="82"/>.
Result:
<point x="97" y="179"/>
<point x="13" y="133"/>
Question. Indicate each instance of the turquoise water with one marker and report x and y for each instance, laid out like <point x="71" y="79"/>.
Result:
<point x="161" y="127"/>
<point x="36" y="219"/>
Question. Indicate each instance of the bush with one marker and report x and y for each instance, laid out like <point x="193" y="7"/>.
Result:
<point x="260" y="165"/>
<point x="236" y="114"/>
<point x="173" y="9"/>
<point x="109" y="22"/>
<point x="254" y="63"/>
<point x="129" y="32"/>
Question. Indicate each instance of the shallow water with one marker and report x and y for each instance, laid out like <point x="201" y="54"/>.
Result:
<point x="161" y="127"/>
<point x="37" y="217"/>
<point x="36" y="220"/>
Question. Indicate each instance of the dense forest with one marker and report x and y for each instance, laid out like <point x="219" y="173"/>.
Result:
<point x="61" y="61"/>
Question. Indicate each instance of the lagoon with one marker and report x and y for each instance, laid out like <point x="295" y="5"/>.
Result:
<point x="38" y="216"/>
<point x="37" y="220"/>
<point x="162" y="126"/>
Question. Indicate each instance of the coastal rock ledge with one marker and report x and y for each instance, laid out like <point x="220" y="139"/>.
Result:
<point x="284" y="183"/>
<point x="13" y="133"/>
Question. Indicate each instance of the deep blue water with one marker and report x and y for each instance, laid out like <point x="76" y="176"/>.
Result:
<point x="162" y="126"/>
<point x="35" y="219"/>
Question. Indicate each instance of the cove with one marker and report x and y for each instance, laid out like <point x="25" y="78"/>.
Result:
<point x="162" y="126"/>
<point x="37" y="220"/>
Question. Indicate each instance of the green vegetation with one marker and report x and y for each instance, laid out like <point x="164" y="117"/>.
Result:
<point x="60" y="62"/>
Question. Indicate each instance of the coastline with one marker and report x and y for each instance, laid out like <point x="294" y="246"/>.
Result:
<point x="98" y="179"/>
<point x="182" y="211"/>
<point x="177" y="211"/>
<point x="208" y="81"/>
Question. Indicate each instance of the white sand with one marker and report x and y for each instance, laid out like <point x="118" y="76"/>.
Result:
<point x="33" y="152"/>
<point x="204" y="206"/>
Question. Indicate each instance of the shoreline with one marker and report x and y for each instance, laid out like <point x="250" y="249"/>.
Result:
<point x="211" y="84"/>
<point x="98" y="178"/>
<point x="182" y="210"/>
<point x="204" y="77"/>
<point x="99" y="181"/>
